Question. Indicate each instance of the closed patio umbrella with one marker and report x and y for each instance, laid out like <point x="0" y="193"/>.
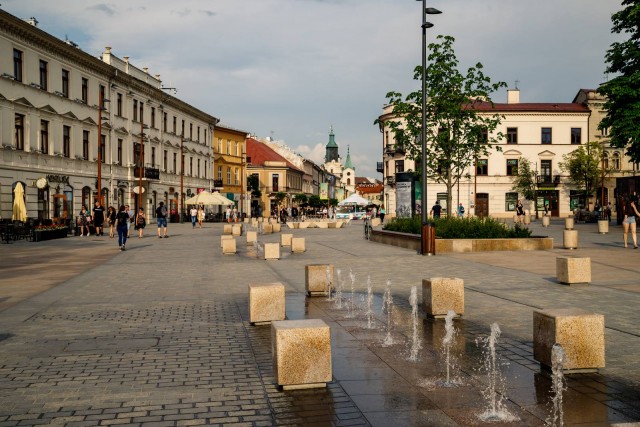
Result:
<point x="19" y="208"/>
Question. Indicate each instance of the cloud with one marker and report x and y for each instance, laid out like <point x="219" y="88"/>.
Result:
<point x="315" y="153"/>
<point x="105" y="8"/>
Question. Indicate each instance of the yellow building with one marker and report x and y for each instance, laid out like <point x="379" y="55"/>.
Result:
<point x="229" y="165"/>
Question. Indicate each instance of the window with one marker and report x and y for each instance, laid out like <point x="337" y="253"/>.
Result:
<point x="237" y="148"/>
<point x="44" y="136"/>
<point x="175" y="128"/>
<point x="220" y="173"/>
<point x="483" y="138"/>
<point x="206" y="166"/>
<point x="19" y="132"/>
<point x="205" y="136"/>
<point x="165" y="158"/>
<point x="85" y="144"/>
<point x="545" y="137"/>
<point x="136" y="154"/>
<point x="512" y="167"/>
<point x="511" y="200"/>
<point x="228" y="176"/>
<point x="103" y="146"/>
<point x="220" y="145"/>
<point x="198" y="133"/>
<point x="66" y="141"/>
<point x="191" y="131"/>
<point x="399" y="166"/>
<point x="182" y="128"/>
<point x="65" y="83"/>
<point x="228" y="147"/>
<point x="512" y="135"/>
<point x="153" y="117"/>
<point x="43" y="75"/>
<point x="576" y="135"/>
<point x="175" y="163"/>
<point x="482" y="167"/>
<point x="164" y="121"/>
<point x="153" y="157"/>
<point x="236" y="176"/>
<point x="85" y="90"/>
<point x="135" y="110"/>
<point x="545" y="171"/>
<point x="274" y="182"/>
<point x="119" y="105"/>
<point x="615" y="161"/>
<point x="141" y="112"/>
<point x="17" y="65"/>
<point x="605" y="160"/>
<point x="102" y="96"/>
<point x="198" y="168"/>
<point x="190" y="166"/>
<point x="120" y="151"/>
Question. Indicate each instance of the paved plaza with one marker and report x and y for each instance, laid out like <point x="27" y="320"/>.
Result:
<point x="159" y="334"/>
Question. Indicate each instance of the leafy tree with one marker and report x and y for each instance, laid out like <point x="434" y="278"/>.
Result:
<point x="623" y="91"/>
<point x="583" y="166"/>
<point x="458" y="133"/>
<point x="300" y="198"/>
<point x="279" y="197"/>
<point x="525" y="182"/>
<point x="253" y="181"/>
<point x="314" y="201"/>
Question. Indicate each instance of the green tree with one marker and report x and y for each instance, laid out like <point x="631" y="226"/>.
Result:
<point x="253" y="183"/>
<point x="583" y="166"/>
<point x="623" y="91"/>
<point x="458" y="133"/>
<point x="279" y="197"/>
<point x="314" y="201"/>
<point x="525" y="182"/>
<point x="300" y="198"/>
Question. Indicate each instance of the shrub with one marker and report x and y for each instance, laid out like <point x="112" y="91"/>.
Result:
<point x="461" y="228"/>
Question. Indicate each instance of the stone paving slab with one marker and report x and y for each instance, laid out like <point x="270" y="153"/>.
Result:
<point x="159" y="334"/>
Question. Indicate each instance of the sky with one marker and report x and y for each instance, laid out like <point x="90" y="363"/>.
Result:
<point x="292" y="69"/>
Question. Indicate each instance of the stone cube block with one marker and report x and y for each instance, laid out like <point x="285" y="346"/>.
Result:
<point x="225" y="237"/>
<point x="568" y="223"/>
<point x="252" y="236"/>
<point x="260" y="219"/>
<point x="570" y="238"/>
<point x="266" y="302"/>
<point x="228" y="228"/>
<point x="573" y="270"/>
<point x="236" y="230"/>
<point x="301" y="351"/>
<point x="271" y="251"/>
<point x="441" y="294"/>
<point x="276" y="227"/>
<point x="317" y="281"/>
<point x="246" y="220"/>
<point x="254" y="222"/>
<point x="332" y="224"/>
<point x="579" y="332"/>
<point x="285" y="239"/>
<point x="267" y="228"/>
<point x="304" y="224"/>
<point x="298" y="245"/>
<point x="545" y="221"/>
<point x="229" y="246"/>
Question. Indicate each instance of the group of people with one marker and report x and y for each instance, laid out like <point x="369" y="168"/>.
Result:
<point x="119" y="222"/>
<point x="197" y="215"/>
<point x="231" y="215"/>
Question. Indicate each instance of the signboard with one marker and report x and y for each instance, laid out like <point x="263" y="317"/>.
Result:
<point x="403" y="200"/>
<point x="324" y="190"/>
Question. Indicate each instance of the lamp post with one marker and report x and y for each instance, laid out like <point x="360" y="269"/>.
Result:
<point x="180" y="199"/>
<point x="141" y="160"/>
<point x="101" y="102"/>
<point x="425" y="230"/>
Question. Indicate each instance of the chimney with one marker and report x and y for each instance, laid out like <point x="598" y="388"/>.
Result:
<point x="513" y="96"/>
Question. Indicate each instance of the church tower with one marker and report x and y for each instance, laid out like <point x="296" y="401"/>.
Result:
<point x="331" y="150"/>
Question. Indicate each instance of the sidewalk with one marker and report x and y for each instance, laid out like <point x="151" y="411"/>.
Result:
<point x="159" y="334"/>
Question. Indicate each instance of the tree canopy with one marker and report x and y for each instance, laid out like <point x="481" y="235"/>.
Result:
<point x="583" y="166"/>
<point x="623" y="91"/>
<point x="457" y="133"/>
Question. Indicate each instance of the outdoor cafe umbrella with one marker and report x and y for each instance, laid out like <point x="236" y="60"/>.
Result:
<point x="206" y="198"/>
<point x="19" y="208"/>
<point x="354" y="199"/>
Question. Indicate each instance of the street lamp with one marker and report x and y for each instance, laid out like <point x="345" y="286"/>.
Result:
<point x="180" y="198"/>
<point x="141" y="160"/>
<point x="425" y="230"/>
<point x="101" y="103"/>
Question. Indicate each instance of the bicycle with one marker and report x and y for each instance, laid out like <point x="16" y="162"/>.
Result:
<point x="367" y="228"/>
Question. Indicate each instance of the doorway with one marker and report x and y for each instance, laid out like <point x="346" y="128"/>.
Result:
<point x="482" y="205"/>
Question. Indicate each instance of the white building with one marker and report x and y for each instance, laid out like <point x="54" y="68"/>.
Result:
<point x="539" y="132"/>
<point x="50" y="92"/>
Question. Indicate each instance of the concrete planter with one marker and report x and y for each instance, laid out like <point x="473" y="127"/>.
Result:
<point x="545" y="221"/>
<point x="412" y="241"/>
<point x="603" y="226"/>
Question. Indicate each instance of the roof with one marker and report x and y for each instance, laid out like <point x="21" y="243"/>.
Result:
<point x="347" y="163"/>
<point x="533" y="107"/>
<point x="332" y="139"/>
<point x="260" y="153"/>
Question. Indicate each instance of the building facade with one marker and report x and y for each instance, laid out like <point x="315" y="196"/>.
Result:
<point x="540" y="132"/>
<point x="67" y="117"/>
<point x="230" y="163"/>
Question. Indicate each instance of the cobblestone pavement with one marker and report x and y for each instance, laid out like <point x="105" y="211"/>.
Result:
<point x="159" y="334"/>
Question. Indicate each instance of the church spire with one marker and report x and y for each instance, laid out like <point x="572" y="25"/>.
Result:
<point x="347" y="162"/>
<point x="331" y="150"/>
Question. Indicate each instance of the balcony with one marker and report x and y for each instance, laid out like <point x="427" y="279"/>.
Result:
<point x="548" y="180"/>
<point x="391" y="180"/>
<point x="380" y="167"/>
<point x="149" y="172"/>
<point x="392" y="149"/>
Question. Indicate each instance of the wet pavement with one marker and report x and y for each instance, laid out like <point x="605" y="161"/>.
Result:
<point x="159" y="334"/>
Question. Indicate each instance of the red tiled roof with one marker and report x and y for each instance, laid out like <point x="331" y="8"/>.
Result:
<point x="260" y="153"/>
<point x="542" y="107"/>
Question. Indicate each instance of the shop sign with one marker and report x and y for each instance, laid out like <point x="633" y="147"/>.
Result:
<point x="62" y="179"/>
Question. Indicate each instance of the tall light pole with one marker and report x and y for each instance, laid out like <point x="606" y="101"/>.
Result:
<point x="425" y="231"/>
<point x="101" y="102"/>
<point x="141" y="160"/>
<point x="180" y="199"/>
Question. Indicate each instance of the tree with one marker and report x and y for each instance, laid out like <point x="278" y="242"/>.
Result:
<point x="314" y="201"/>
<point x="253" y="183"/>
<point x="458" y="133"/>
<point x="300" y="198"/>
<point x="525" y="182"/>
<point x="623" y="91"/>
<point x="583" y="167"/>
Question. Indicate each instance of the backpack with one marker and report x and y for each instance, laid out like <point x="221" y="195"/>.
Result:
<point x="163" y="211"/>
<point x="123" y="217"/>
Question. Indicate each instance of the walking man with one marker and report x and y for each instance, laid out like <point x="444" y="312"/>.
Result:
<point x="161" y="218"/>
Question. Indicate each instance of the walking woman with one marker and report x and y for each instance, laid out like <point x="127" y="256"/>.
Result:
<point x="84" y="221"/>
<point x="141" y="222"/>
<point x="200" y="215"/>
<point x="629" y="222"/>
<point x="111" y="220"/>
<point x="121" y="220"/>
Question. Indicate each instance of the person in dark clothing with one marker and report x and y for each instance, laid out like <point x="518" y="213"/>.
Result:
<point x="98" y="218"/>
<point x="122" y="221"/>
<point x="436" y="209"/>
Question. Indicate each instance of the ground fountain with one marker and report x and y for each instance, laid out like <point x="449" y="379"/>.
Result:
<point x="352" y="276"/>
<point x="387" y="308"/>
<point x="416" y="342"/>
<point x="329" y="284"/>
<point x="451" y="378"/>
<point x="494" y="393"/>
<point x="369" y="301"/>
<point x="558" y="385"/>
<point x="339" y="286"/>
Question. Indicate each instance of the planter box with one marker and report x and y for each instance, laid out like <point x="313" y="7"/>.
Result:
<point x="41" y="235"/>
<point x="412" y="241"/>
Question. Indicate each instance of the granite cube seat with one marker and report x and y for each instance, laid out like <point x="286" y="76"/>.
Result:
<point x="573" y="270"/>
<point x="252" y="236"/>
<point x="229" y="246"/>
<point x="236" y="230"/>
<point x="317" y="280"/>
<point x="266" y="302"/>
<point x="298" y="245"/>
<point x="276" y="227"/>
<point x="301" y="351"/>
<point x="578" y="331"/>
<point x="225" y="237"/>
<point x="570" y="239"/>
<point x="228" y="228"/>
<point x="267" y="228"/>
<point x="285" y="239"/>
<point x="271" y="251"/>
<point x="441" y="294"/>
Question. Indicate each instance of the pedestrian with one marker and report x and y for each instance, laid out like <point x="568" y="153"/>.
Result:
<point x="460" y="211"/>
<point x="382" y="214"/>
<point x="200" y="215"/>
<point x="122" y="226"/>
<point x="234" y="214"/>
<point x="141" y="222"/>
<point x="520" y="212"/>
<point x="111" y="220"/>
<point x="227" y="214"/>
<point x="546" y="209"/>
<point x="98" y="218"/>
<point x="436" y="210"/>
<point x="161" y="218"/>
<point x="131" y="214"/>
<point x="629" y="222"/>
<point x="607" y="212"/>
<point x="194" y="216"/>
<point x="84" y="221"/>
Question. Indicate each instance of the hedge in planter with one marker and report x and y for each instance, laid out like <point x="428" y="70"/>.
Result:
<point x="43" y="232"/>
<point x="460" y="228"/>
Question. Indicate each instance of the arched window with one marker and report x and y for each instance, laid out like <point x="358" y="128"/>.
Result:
<point x="121" y="197"/>
<point x="348" y="181"/>
<point x="616" y="161"/>
<point x="86" y="198"/>
<point x="606" y="160"/>
<point x="154" y="202"/>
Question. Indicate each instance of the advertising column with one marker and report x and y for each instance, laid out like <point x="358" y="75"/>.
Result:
<point x="404" y="195"/>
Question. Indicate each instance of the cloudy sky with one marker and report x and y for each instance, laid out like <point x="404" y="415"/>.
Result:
<point x="290" y="69"/>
